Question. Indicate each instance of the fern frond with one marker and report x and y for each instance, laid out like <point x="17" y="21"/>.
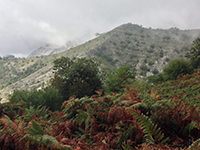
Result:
<point x="8" y="122"/>
<point x="195" y="145"/>
<point x="52" y="143"/>
<point x="189" y="127"/>
<point x="81" y="117"/>
<point x="153" y="133"/>
<point x="35" y="129"/>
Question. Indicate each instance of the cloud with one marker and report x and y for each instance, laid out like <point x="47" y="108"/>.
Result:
<point x="27" y="24"/>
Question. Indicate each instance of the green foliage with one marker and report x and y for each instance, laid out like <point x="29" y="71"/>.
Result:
<point x="48" y="97"/>
<point x="13" y="70"/>
<point x="144" y="67"/>
<point x="167" y="59"/>
<point x="115" y="82"/>
<point x="148" y="117"/>
<point x="155" y="79"/>
<point x="78" y="76"/>
<point x="194" y="53"/>
<point x="177" y="67"/>
<point x="194" y="145"/>
<point x="155" y="71"/>
<point x="35" y="135"/>
<point x="153" y="133"/>
<point x="161" y="53"/>
<point x="31" y="112"/>
<point x="151" y="63"/>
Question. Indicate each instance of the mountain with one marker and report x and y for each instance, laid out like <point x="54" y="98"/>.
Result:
<point x="51" y="49"/>
<point x="145" y="50"/>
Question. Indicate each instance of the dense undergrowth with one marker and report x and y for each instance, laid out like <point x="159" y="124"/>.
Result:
<point x="165" y="116"/>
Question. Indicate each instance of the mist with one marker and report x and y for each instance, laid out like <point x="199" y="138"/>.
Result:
<point x="26" y="25"/>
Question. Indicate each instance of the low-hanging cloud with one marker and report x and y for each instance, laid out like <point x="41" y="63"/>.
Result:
<point x="27" y="24"/>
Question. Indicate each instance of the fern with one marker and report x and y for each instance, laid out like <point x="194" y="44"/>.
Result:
<point x="81" y="117"/>
<point x="32" y="112"/>
<point x="151" y="130"/>
<point x="189" y="128"/>
<point x="125" y="132"/>
<point x="35" y="135"/>
<point x="36" y="129"/>
<point x="195" y="145"/>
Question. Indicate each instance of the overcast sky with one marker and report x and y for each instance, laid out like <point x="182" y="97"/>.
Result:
<point x="25" y="25"/>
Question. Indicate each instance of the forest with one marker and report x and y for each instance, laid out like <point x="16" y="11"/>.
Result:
<point x="86" y="108"/>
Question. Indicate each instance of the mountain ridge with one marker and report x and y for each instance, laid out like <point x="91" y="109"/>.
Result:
<point x="142" y="49"/>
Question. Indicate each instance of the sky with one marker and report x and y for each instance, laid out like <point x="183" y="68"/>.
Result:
<point x="25" y="25"/>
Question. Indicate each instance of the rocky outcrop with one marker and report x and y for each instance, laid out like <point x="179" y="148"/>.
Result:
<point x="51" y="49"/>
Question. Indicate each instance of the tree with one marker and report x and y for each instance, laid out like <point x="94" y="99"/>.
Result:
<point x="115" y="82"/>
<point x="77" y="76"/>
<point x="194" y="53"/>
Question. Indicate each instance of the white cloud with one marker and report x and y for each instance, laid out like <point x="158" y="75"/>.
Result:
<point x="26" y="24"/>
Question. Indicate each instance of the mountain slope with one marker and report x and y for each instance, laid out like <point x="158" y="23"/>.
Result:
<point x="143" y="49"/>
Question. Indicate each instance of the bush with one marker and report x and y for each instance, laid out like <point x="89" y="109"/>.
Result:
<point x="144" y="67"/>
<point x="151" y="63"/>
<point x="155" y="71"/>
<point x="194" y="53"/>
<point x="167" y="59"/>
<point x="156" y="79"/>
<point x="49" y="97"/>
<point x="115" y="82"/>
<point x="177" y="67"/>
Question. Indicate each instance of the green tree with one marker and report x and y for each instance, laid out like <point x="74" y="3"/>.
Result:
<point x="177" y="67"/>
<point x="115" y="82"/>
<point x="194" y="53"/>
<point x="77" y="76"/>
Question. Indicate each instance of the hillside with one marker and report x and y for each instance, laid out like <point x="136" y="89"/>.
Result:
<point x="144" y="49"/>
<point x="161" y="117"/>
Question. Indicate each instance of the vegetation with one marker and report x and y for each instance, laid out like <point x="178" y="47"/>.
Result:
<point x="115" y="82"/>
<point x="77" y="76"/>
<point x="74" y="112"/>
<point x="137" y="42"/>
<point x="194" y="53"/>
<point x="49" y="97"/>
<point x="177" y="67"/>
<point x="146" y="117"/>
<point x="12" y="70"/>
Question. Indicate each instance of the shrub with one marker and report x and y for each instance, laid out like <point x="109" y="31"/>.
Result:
<point x="155" y="71"/>
<point x="144" y="67"/>
<point x="194" y="53"/>
<point x="156" y="79"/>
<point x="161" y="53"/>
<point x="49" y="97"/>
<point x="167" y="59"/>
<point x="117" y="81"/>
<point x="177" y="67"/>
<point x="151" y="63"/>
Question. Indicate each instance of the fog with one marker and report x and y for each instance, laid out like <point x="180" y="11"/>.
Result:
<point x="26" y="25"/>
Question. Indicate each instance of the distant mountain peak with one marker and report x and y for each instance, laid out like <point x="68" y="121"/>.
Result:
<point x="49" y="49"/>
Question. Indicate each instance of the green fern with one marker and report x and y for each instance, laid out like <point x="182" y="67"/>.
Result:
<point x="125" y="132"/>
<point x="195" y="145"/>
<point x="153" y="133"/>
<point x="40" y="111"/>
<point x="36" y="129"/>
<point x="189" y="128"/>
<point x="35" y="135"/>
<point x="81" y="116"/>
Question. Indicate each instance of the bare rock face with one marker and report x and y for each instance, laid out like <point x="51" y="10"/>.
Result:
<point x="51" y="49"/>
